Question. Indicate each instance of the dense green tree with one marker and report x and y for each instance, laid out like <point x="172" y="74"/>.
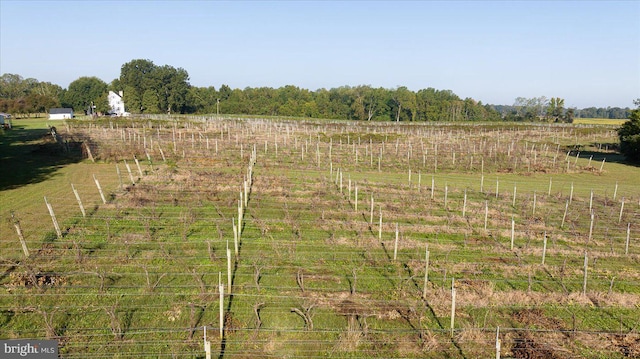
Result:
<point x="357" y="103"/>
<point x="367" y="102"/>
<point x="374" y="103"/>
<point x="224" y="92"/>
<point x="173" y="87"/>
<point x="14" y="86"/>
<point x="53" y="91"/>
<point x="102" y="104"/>
<point x="27" y="96"/>
<point x="37" y="103"/>
<point x="132" y="99"/>
<point x="629" y="135"/>
<point x="150" y="102"/>
<point x="84" y="93"/>
<point x="203" y="99"/>
<point x="555" y="110"/>
<point x="170" y="85"/>
<point x="403" y="104"/>
<point x="569" y="115"/>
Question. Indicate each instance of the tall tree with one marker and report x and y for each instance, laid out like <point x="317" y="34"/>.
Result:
<point x="84" y="93"/>
<point x="150" y="102"/>
<point x="404" y="104"/>
<point x="555" y="110"/>
<point x="170" y="86"/>
<point x="629" y="135"/>
<point x="14" y="86"/>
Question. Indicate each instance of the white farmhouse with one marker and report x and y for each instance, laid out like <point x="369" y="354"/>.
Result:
<point x="60" y="113"/>
<point x="116" y="104"/>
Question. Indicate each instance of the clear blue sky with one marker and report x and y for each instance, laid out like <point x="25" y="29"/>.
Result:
<point x="587" y="52"/>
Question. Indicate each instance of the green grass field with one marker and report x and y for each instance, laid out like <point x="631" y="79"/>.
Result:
<point x="331" y="252"/>
<point x="598" y="121"/>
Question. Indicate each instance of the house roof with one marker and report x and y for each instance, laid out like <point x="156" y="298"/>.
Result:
<point x="57" y="111"/>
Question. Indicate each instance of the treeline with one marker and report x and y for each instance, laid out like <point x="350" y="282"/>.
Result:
<point x="25" y="97"/>
<point x="601" y="112"/>
<point x="151" y="89"/>
<point x="363" y="103"/>
<point x="545" y="109"/>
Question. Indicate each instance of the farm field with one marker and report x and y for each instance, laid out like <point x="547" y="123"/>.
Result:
<point x="598" y="121"/>
<point x="313" y="238"/>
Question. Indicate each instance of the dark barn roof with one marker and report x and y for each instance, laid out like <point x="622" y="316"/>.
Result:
<point x="57" y="111"/>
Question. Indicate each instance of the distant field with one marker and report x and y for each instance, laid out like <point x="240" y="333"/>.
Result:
<point x="599" y="121"/>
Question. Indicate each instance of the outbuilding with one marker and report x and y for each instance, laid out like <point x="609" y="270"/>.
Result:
<point x="5" y="120"/>
<point x="60" y="113"/>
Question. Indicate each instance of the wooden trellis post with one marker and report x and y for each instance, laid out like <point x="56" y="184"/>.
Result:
<point x="433" y="186"/>
<point x="356" y="198"/>
<point x="133" y="181"/>
<point x="453" y="305"/>
<point x="621" y="210"/>
<point x="246" y="193"/>
<point x="16" y="223"/>
<point x="446" y="195"/>
<point x="584" y="280"/>
<point x="426" y="273"/>
<point x="513" y="227"/>
<point x="53" y="218"/>
<point x="164" y="159"/>
<point x="380" y="225"/>
<point x="564" y="216"/>
<point x="591" y="227"/>
<point x="104" y="200"/>
<point x="395" y="244"/>
<point x="235" y="237"/>
<point x="486" y="214"/>
<point x="221" y="290"/>
<point x="544" y="247"/>
<point x="119" y="176"/>
<point x="626" y="246"/>
<point x="89" y="152"/>
<point x="75" y="192"/>
<point x="207" y="345"/>
<point x="571" y="194"/>
<point x="228" y="268"/>
<point x="138" y="165"/>
<point x="371" y="219"/>
<point x="464" y="204"/>
<point x="498" y="343"/>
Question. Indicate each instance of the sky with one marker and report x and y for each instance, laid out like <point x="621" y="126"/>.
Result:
<point x="586" y="52"/>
